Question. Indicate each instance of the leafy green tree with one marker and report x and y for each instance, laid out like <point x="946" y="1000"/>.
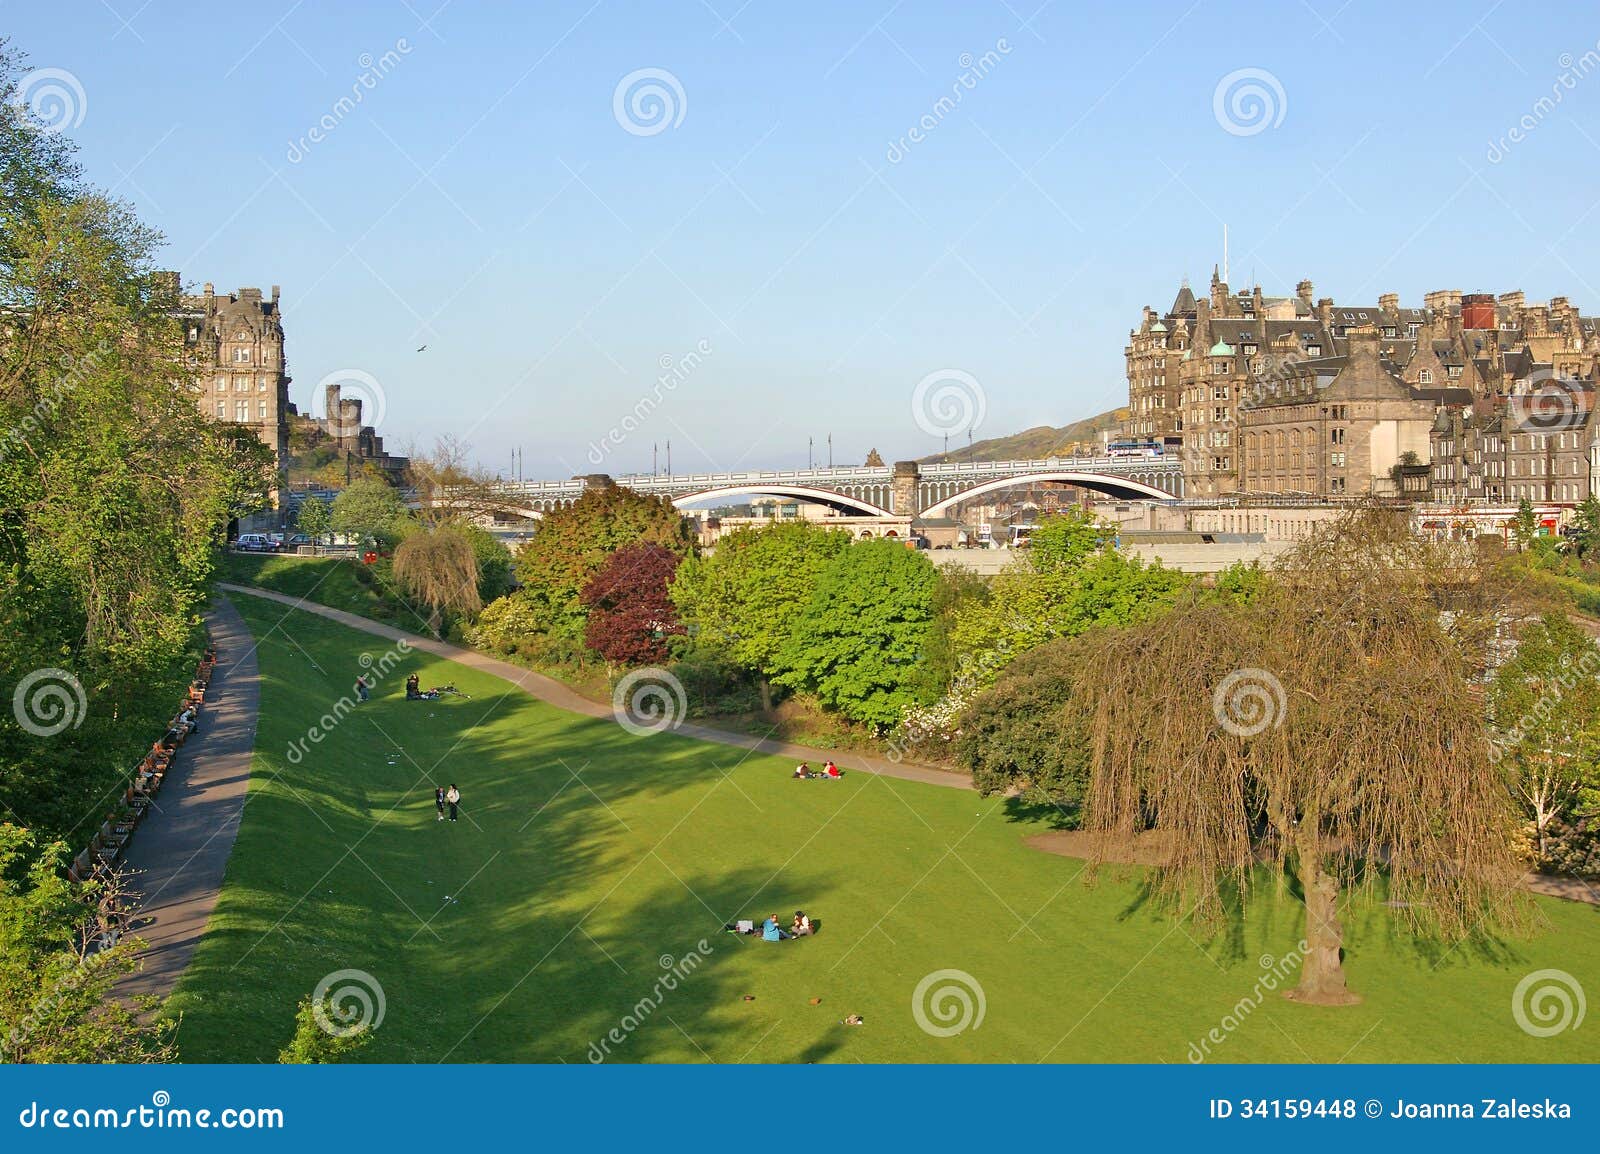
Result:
<point x="573" y="543"/>
<point x="312" y="1044"/>
<point x="858" y="644"/>
<point x="494" y="561"/>
<point x="371" y="509"/>
<point x="1067" y="581"/>
<point x="55" y="983"/>
<point x="942" y="661"/>
<point x="1545" y="709"/>
<point x="114" y="486"/>
<point x="1586" y="528"/>
<point x="1525" y="526"/>
<point x="743" y="600"/>
<point x="1019" y="734"/>
<point x="315" y="518"/>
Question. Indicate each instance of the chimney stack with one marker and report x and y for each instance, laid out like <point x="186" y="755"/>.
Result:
<point x="1305" y="292"/>
<point x="1389" y="303"/>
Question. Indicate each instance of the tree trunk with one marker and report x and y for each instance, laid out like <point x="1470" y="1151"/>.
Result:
<point x="1321" y="970"/>
<point x="766" y="694"/>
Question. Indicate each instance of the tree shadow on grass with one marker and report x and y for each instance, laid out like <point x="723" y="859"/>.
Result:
<point x="490" y="938"/>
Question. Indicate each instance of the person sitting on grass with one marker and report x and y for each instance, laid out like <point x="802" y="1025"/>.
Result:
<point x="802" y="772"/>
<point x="831" y="770"/>
<point x="802" y="925"/>
<point x="771" y="931"/>
<point x="413" y="688"/>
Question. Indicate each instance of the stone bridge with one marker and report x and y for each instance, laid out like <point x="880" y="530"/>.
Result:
<point x="908" y="488"/>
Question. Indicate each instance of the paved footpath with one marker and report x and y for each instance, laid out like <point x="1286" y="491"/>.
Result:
<point x="551" y="691"/>
<point x="181" y="847"/>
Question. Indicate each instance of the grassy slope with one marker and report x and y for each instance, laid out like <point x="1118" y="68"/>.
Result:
<point x="331" y="581"/>
<point x="571" y="890"/>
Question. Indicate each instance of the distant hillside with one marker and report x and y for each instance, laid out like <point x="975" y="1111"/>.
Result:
<point x="1041" y="441"/>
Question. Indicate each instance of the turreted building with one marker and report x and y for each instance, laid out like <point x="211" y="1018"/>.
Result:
<point x="1296" y="395"/>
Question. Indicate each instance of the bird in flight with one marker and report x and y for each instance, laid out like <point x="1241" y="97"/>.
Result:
<point x="424" y="347"/>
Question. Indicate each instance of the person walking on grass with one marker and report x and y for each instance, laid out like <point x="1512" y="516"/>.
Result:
<point x="438" y="801"/>
<point x="453" y="796"/>
<point x="361" y="686"/>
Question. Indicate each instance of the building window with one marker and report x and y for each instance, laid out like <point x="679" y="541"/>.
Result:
<point x="241" y="411"/>
<point x="1337" y="436"/>
<point x="1336" y="485"/>
<point x="1336" y="460"/>
<point x="222" y="410"/>
<point x="1425" y="377"/>
<point x="261" y="384"/>
<point x="241" y="356"/>
<point x="261" y="411"/>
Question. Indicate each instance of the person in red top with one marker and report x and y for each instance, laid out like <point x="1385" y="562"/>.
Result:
<point x="831" y="770"/>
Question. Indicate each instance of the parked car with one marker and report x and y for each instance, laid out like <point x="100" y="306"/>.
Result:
<point x="255" y="543"/>
<point x="297" y="540"/>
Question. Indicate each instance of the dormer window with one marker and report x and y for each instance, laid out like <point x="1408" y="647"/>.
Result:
<point x="1390" y="331"/>
<point x="1425" y="377"/>
<point x="1313" y="350"/>
<point x="1454" y="372"/>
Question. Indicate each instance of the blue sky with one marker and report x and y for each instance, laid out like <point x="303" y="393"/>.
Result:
<point x="484" y="199"/>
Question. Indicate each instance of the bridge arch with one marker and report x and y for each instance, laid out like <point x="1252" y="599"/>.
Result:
<point x="1121" y="488"/>
<point x="842" y="502"/>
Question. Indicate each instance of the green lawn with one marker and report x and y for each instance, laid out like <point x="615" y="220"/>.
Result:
<point x="332" y="581"/>
<point x="587" y="858"/>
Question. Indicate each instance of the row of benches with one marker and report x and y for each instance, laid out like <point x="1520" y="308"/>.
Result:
<point x="111" y="839"/>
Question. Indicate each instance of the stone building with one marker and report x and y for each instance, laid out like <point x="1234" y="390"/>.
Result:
<point x="236" y="342"/>
<point x="1197" y="373"/>
<point x="1339" y="426"/>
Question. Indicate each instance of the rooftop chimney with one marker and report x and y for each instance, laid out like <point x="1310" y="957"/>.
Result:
<point x="1304" y="291"/>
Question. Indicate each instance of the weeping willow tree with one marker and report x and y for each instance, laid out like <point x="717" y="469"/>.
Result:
<point x="1332" y="726"/>
<point x="439" y="567"/>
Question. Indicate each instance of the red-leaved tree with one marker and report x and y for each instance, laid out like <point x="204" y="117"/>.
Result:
<point x="630" y="614"/>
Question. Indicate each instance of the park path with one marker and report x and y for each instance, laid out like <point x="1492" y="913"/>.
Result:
<point x="552" y="692"/>
<point x="181" y="848"/>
